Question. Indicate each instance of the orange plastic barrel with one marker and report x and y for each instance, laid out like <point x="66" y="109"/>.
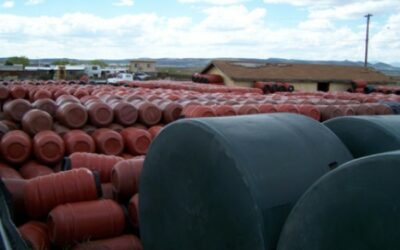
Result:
<point x="329" y="111"/>
<point x="16" y="109"/>
<point x="133" y="210"/>
<point x="102" y="164"/>
<point x="154" y="131"/>
<point x="137" y="141"/>
<point x="193" y="111"/>
<point x="35" y="121"/>
<point x="108" y="141"/>
<point x="81" y="221"/>
<point x="47" y="105"/>
<point x="41" y="94"/>
<point x="8" y="172"/>
<point x="16" y="146"/>
<point x="267" y="108"/>
<point x="48" y="147"/>
<point x="310" y="111"/>
<point x="61" y="100"/>
<point x="4" y="93"/>
<point x="287" y="108"/>
<point x="78" y="141"/>
<point x="33" y="169"/>
<point x="149" y="114"/>
<point x="171" y="111"/>
<point x="125" y="177"/>
<point x="18" y="92"/>
<point x="224" y="110"/>
<point x="124" y="242"/>
<point x="125" y="113"/>
<point x="44" y="193"/>
<point x="246" y="109"/>
<point x="36" y="234"/>
<point x="100" y="114"/>
<point x="72" y="115"/>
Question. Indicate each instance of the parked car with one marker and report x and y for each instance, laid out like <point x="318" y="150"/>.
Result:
<point x="141" y="76"/>
<point x="120" y="77"/>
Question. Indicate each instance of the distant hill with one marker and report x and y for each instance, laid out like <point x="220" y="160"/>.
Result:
<point x="392" y="70"/>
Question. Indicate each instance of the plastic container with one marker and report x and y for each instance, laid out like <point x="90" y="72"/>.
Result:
<point x="72" y="115"/>
<point x="238" y="177"/>
<point x="8" y="172"/>
<point x="193" y="111"/>
<point x="267" y="108"/>
<point x="36" y="234"/>
<point x="155" y="130"/>
<point x="100" y="114"/>
<point x="224" y="110"/>
<point x="137" y="141"/>
<point x="125" y="113"/>
<point x="48" y="147"/>
<point x="352" y="207"/>
<point x="133" y="210"/>
<point x="171" y="111"/>
<point x="85" y="220"/>
<point x="32" y="169"/>
<point x="18" y="92"/>
<point x="149" y="114"/>
<point x="367" y="135"/>
<point x="35" y="121"/>
<point x="16" y="109"/>
<point x="108" y="141"/>
<point x="4" y="93"/>
<point x="78" y="141"/>
<point x="47" y="105"/>
<point x="124" y="242"/>
<point x="102" y="164"/>
<point x="44" y="193"/>
<point x="125" y="177"/>
<point x="16" y="147"/>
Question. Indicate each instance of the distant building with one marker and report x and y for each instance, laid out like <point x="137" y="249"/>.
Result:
<point x="140" y="65"/>
<point x="11" y="72"/>
<point x="93" y="71"/>
<point x="306" y="77"/>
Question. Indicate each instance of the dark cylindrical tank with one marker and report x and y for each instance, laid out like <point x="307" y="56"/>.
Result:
<point x="367" y="135"/>
<point x="230" y="182"/>
<point x="352" y="207"/>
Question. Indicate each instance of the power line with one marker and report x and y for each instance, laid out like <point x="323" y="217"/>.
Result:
<point x="368" y="16"/>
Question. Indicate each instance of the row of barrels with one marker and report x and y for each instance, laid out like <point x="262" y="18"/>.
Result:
<point x="317" y="112"/>
<point x="272" y="87"/>
<point x="81" y="205"/>
<point x="48" y="148"/>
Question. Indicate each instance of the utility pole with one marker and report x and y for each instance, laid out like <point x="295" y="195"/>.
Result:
<point x="368" y="16"/>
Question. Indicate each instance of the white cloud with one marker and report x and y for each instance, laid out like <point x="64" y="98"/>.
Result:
<point x="224" y="31"/>
<point x="8" y="4"/>
<point x="34" y="2"/>
<point x="214" y="2"/>
<point x="122" y="3"/>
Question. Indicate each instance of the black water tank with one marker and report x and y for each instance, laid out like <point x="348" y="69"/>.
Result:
<point x="367" y="135"/>
<point x="355" y="206"/>
<point x="229" y="183"/>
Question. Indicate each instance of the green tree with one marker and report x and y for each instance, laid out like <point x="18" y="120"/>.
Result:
<point x="17" y="60"/>
<point x="101" y="63"/>
<point x="63" y="62"/>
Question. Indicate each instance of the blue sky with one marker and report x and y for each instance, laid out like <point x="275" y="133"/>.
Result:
<point x="113" y="29"/>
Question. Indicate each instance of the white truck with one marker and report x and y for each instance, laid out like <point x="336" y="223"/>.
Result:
<point x="120" y="77"/>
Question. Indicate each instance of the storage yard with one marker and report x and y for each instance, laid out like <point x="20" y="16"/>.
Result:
<point x="186" y="165"/>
